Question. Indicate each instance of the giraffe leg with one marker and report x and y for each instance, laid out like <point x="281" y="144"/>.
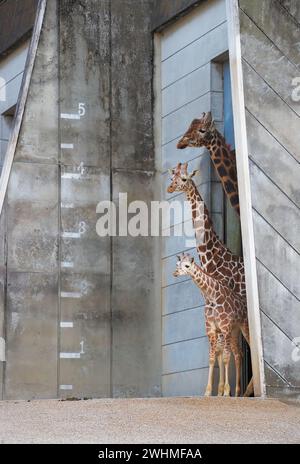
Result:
<point x="212" y="359"/>
<point x="221" y="375"/>
<point x="237" y="360"/>
<point x="245" y="331"/>
<point x="220" y="348"/>
<point x="226" y="358"/>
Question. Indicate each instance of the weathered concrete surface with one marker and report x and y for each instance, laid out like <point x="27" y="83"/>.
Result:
<point x="31" y="234"/>
<point x="293" y="7"/>
<point x="176" y="420"/>
<point x="91" y="68"/>
<point x="31" y="318"/>
<point x="135" y="304"/>
<point x="270" y="53"/>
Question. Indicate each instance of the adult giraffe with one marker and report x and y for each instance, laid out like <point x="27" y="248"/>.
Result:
<point x="203" y="133"/>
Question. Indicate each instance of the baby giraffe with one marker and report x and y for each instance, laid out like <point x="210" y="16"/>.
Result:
<point x="223" y="320"/>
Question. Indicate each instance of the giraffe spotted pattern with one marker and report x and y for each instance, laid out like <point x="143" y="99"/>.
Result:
<point x="203" y="133"/>
<point x="225" y="317"/>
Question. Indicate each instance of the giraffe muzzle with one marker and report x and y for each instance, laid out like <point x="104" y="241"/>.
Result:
<point x="182" y="144"/>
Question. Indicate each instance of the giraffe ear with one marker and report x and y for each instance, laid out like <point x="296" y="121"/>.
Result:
<point x="212" y="125"/>
<point x="192" y="260"/>
<point x="208" y="117"/>
<point x="171" y="171"/>
<point x="178" y="257"/>
<point x="195" y="173"/>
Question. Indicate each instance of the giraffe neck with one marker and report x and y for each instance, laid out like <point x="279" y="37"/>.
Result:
<point x="201" y="220"/>
<point x="225" y="164"/>
<point x="209" y="286"/>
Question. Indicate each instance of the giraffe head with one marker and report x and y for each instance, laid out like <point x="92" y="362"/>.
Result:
<point x="181" y="180"/>
<point x="200" y="132"/>
<point x="185" y="265"/>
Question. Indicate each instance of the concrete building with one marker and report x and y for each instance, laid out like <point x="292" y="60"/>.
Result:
<point x="109" y="87"/>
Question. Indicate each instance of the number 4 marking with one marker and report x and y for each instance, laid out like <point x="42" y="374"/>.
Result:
<point x="81" y="109"/>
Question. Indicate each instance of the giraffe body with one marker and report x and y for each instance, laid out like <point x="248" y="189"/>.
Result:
<point x="225" y="317"/>
<point x="203" y="133"/>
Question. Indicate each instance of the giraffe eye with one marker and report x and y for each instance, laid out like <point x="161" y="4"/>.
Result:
<point x="183" y="180"/>
<point x="202" y="131"/>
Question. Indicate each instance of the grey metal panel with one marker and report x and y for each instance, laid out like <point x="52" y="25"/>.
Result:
<point x="171" y="156"/>
<point x="191" y="84"/>
<point x="31" y="328"/>
<point x="278" y="350"/>
<point x="181" y="296"/>
<point x="293" y="7"/>
<point x="203" y="50"/>
<point x="14" y="63"/>
<point x="12" y="91"/>
<point x="276" y="24"/>
<point x="273" y="159"/>
<point x="188" y="383"/>
<point x="272" y="112"/>
<point x="185" y="355"/>
<point x="182" y="92"/>
<point x="184" y="325"/>
<point x="275" y="253"/>
<point x="191" y="27"/>
<point x="277" y="302"/>
<point x="270" y="43"/>
<point x="175" y="124"/>
<point x="276" y="69"/>
<point x="275" y="207"/>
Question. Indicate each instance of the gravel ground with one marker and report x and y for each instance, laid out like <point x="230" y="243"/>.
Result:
<point x="162" y="420"/>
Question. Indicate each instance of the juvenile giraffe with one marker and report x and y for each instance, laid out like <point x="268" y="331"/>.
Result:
<point x="223" y="322"/>
<point x="203" y="133"/>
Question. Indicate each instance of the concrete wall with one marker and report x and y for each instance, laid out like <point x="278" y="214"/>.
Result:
<point x="82" y="314"/>
<point x="189" y="83"/>
<point x="270" y="54"/>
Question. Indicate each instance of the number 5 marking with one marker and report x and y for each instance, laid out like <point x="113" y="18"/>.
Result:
<point x="81" y="109"/>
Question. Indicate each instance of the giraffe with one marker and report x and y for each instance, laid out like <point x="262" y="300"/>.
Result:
<point x="223" y="322"/>
<point x="215" y="257"/>
<point x="203" y="133"/>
